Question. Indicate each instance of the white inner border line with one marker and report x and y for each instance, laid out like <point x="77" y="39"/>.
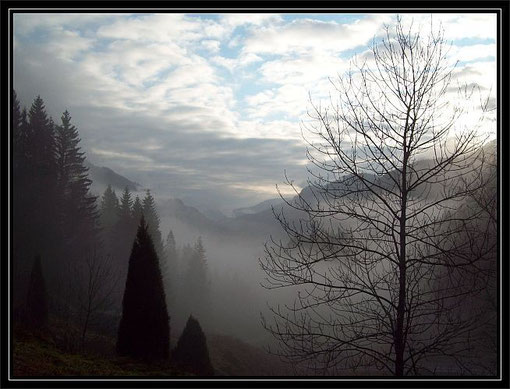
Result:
<point x="499" y="13"/>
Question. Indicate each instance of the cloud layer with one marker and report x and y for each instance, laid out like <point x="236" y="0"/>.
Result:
<point x="206" y="105"/>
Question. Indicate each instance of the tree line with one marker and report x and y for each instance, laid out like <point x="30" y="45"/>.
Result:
<point x="83" y="261"/>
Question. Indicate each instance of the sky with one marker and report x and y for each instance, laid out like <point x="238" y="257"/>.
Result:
<point x="209" y="107"/>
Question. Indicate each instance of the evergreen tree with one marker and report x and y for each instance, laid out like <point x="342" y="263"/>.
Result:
<point x="151" y="216"/>
<point x="42" y="144"/>
<point x="21" y="204"/>
<point x="37" y="304"/>
<point x="170" y="251"/>
<point x="34" y="187"/>
<point x="144" y="330"/>
<point x="125" y="230"/>
<point x="109" y="209"/>
<point x="109" y="217"/>
<point x="137" y="210"/>
<point x="79" y="216"/>
<point x="191" y="351"/>
<point x="169" y="268"/>
<point x="125" y="215"/>
<point x="195" y="281"/>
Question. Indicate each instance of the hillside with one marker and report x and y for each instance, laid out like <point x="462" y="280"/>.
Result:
<point x="103" y="176"/>
<point x="36" y="357"/>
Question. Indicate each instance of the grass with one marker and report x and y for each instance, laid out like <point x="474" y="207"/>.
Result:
<point x="35" y="356"/>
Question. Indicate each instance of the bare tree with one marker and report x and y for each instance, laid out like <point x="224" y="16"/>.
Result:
<point x="375" y="247"/>
<point x="97" y="290"/>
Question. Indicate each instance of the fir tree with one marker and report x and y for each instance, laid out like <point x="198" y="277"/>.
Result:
<point x="39" y="186"/>
<point x="109" y="209"/>
<point x="170" y="251"/>
<point x="137" y="210"/>
<point x="42" y="144"/>
<point x="144" y="330"/>
<point x="125" y="230"/>
<point x="109" y="217"/>
<point x="191" y="351"/>
<point x="151" y="216"/>
<point x="78" y="207"/>
<point x="169" y="268"/>
<point x="37" y="304"/>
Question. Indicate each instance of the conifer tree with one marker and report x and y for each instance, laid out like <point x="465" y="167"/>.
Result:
<point x="144" y="329"/>
<point x="137" y="211"/>
<point x="196" y="281"/>
<point x="125" y="229"/>
<point x="109" y="217"/>
<point x="79" y="217"/>
<point x="39" y="189"/>
<point x="191" y="351"/>
<point x="37" y="304"/>
<point x="109" y="208"/>
<point x="170" y="251"/>
<point x="21" y="183"/>
<point x="151" y="216"/>
<point x="169" y="268"/>
<point x="42" y="144"/>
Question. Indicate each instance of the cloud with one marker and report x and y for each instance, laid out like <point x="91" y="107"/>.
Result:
<point x="308" y="35"/>
<point x="211" y="103"/>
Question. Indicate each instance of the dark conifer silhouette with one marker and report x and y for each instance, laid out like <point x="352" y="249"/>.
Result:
<point x="137" y="210"/>
<point x="197" y="280"/>
<point x="78" y="214"/>
<point x="125" y="229"/>
<point x="37" y="304"/>
<point x="144" y="329"/>
<point x="151" y="216"/>
<point x="109" y="217"/>
<point x="191" y="351"/>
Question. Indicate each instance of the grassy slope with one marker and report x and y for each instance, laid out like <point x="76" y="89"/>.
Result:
<point x="33" y="356"/>
<point x="233" y="357"/>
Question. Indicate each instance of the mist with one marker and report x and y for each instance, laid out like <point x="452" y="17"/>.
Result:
<point x="199" y="195"/>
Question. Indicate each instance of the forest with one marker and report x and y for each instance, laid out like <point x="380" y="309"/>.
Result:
<point x="383" y="264"/>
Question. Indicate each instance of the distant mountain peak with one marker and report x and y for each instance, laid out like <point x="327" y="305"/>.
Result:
<point x="103" y="176"/>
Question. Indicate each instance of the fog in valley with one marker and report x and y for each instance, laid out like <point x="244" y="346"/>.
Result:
<point x="254" y="195"/>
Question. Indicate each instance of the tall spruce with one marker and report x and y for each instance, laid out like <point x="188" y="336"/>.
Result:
<point x="169" y="268"/>
<point x="137" y="210"/>
<point x="23" y="194"/>
<point x="151" y="216"/>
<point x="34" y="188"/>
<point x="197" y="280"/>
<point x="79" y="216"/>
<point x="37" y="303"/>
<point x="144" y="330"/>
<point x="109" y="217"/>
<point x="125" y="229"/>
<point x="191" y="352"/>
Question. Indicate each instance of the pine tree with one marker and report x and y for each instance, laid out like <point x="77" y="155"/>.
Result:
<point x="152" y="218"/>
<point x="170" y="251"/>
<point x="79" y="217"/>
<point x="21" y="181"/>
<point x="42" y="144"/>
<point x="109" y="217"/>
<point x="109" y="209"/>
<point x="39" y="186"/>
<point x="126" y="203"/>
<point x="196" y="278"/>
<point x="137" y="210"/>
<point x="169" y="268"/>
<point x="125" y="230"/>
<point x="191" y="351"/>
<point x="144" y="330"/>
<point x="37" y="304"/>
